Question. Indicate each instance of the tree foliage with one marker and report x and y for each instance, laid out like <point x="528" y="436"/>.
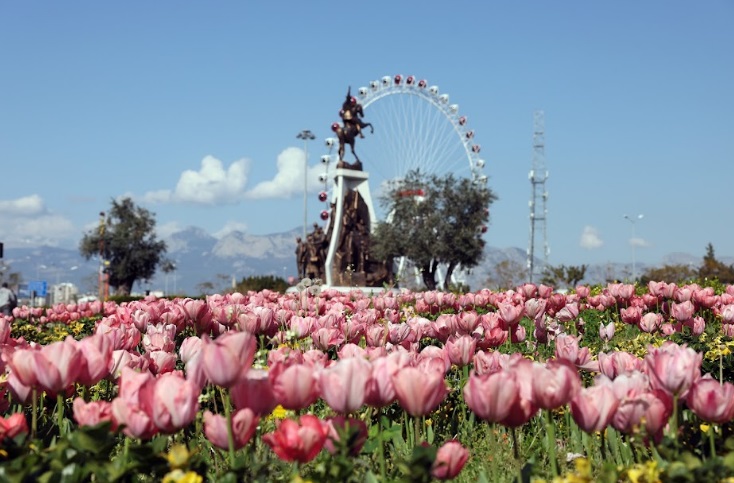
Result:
<point x="257" y="283"/>
<point x="562" y="275"/>
<point x="507" y="274"/>
<point x="715" y="269"/>
<point x="678" y="273"/>
<point x="127" y="240"/>
<point x="434" y="221"/>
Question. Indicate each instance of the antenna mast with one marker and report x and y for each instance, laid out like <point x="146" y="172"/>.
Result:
<point x="539" y="197"/>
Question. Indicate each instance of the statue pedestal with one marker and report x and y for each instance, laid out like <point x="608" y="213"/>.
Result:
<point x="352" y="220"/>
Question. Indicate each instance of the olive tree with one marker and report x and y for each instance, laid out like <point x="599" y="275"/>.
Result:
<point x="434" y="221"/>
<point x="126" y="239"/>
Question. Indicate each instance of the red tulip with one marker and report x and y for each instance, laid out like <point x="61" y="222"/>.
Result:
<point x="450" y="459"/>
<point x="419" y="392"/>
<point x="244" y="424"/>
<point x="297" y="441"/>
<point x="711" y="400"/>
<point x="13" y="426"/>
<point x="226" y="358"/>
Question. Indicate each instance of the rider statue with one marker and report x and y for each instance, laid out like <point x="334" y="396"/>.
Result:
<point x="351" y="113"/>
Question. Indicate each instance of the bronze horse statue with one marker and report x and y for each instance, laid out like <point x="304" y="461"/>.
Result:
<point x="346" y="135"/>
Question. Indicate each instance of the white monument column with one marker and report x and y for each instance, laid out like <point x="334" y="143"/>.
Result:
<point x="346" y="180"/>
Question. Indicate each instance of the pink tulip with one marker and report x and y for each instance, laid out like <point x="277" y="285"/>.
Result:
<point x="380" y="390"/>
<point x="244" y="424"/>
<point x="555" y="383"/>
<point x="650" y="322"/>
<point x="58" y="365"/>
<point x="92" y="413"/>
<point x="631" y="315"/>
<point x="450" y="460"/>
<point x="294" y="387"/>
<point x="353" y="430"/>
<point x="711" y="400"/>
<point x="606" y="332"/>
<point x="226" y="358"/>
<point x="650" y="410"/>
<point x="682" y="311"/>
<point x="133" y="408"/>
<point x="492" y="396"/>
<point x="175" y="402"/>
<point x="344" y="384"/>
<point x="254" y="391"/>
<point x="419" y="392"/>
<point x="510" y="314"/>
<point x="673" y="368"/>
<point x="297" y="441"/>
<point x="460" y="350"/>
<point x="96" y="356"/>
<point x="593" y="407"/>
<point x="618" y="362"/>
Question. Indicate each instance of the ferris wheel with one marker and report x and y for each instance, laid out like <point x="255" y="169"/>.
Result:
<point x="415" y="127"/>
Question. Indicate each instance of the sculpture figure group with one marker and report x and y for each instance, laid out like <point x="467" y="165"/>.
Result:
<point x="351" y="114"/>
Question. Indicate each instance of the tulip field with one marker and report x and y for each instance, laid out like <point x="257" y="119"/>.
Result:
<point x="603" y="383"/>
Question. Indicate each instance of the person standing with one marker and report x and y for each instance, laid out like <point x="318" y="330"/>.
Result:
<point x="8" y="300"/>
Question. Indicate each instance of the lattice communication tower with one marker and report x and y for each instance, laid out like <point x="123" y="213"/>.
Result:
<point x="538" y="200"/>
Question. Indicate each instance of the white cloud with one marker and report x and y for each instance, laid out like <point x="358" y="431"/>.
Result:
<point x="26" y="220"/>
<point x="639" y="242"/>
<point x="229" y="227"/>
<point x="288" y="180"/>
<point x="27" y="206"/>
<point x="590" y="238"/>
<point x="165" y="230"/>
<point x="211" y="185"/>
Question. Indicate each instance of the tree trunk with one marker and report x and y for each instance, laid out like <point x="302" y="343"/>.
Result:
<point x="449" y="272"/>
<point x="429" y="276"/>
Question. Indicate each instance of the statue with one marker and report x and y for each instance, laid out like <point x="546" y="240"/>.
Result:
<point x="352" y="114"/>
<point x="351" y="127"/>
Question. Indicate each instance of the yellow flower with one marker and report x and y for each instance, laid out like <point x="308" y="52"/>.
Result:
<point x="644" y="473"/>
<point x="279" y="412"/>
<point x="705" y="428"/>
<point x="178" y="476"/>
<point x="178" y="456"/>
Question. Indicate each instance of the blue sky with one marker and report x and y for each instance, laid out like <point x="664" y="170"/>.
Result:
<point x="192" y="108"/>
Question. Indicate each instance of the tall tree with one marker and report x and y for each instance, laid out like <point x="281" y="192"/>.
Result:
<point x="715" y="269"/>
<point x="434" y="221"/>
<point x="127" y="240"/>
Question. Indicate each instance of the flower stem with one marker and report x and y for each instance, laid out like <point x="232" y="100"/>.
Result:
<point x="380" y="436"/>
<point x="230" y="431"/>
<point x="34" y="413"/>
<point x="551" y="434"/>
<point x="60" y="412"/>
<point x="416" y="434"/>
<point x="712" y="442"/>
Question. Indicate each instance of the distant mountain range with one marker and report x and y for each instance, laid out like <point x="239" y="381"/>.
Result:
<point x="203" y="259"/>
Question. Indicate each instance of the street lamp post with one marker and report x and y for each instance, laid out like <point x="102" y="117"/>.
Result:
<point x="307" y="136"/>
<point x="633" y="242"/>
